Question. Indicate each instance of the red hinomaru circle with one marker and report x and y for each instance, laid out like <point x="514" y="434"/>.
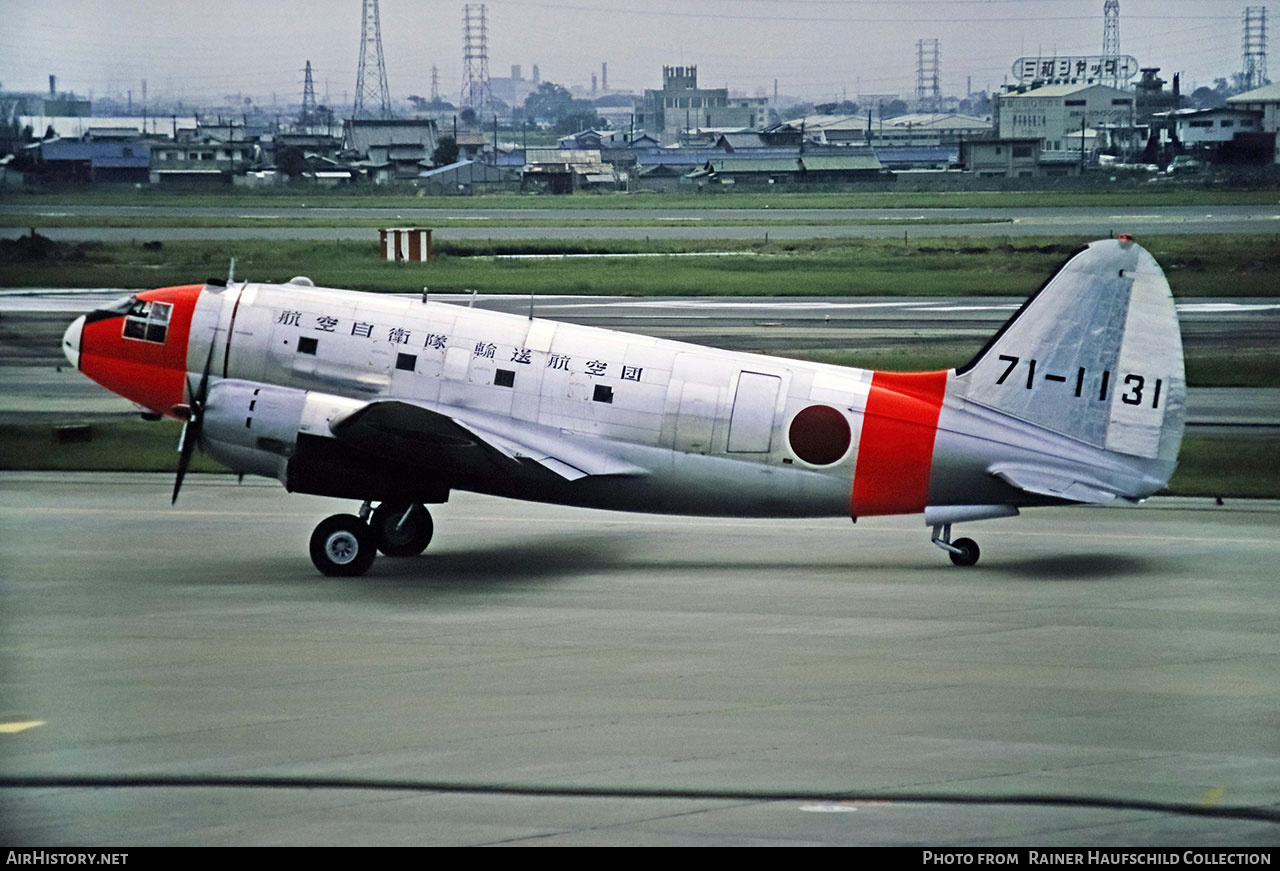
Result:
<point x="819" y="435"/>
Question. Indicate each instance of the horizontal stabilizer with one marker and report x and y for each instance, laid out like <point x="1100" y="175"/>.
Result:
<point x="1058" y="483"/>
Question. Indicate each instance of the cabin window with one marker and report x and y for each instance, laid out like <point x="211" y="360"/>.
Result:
<point x="308" y="345"/>
<point x="147" y="321"/>
<point x="603" y="393"/>
<point x="406" y="362"/>
<point x="504" y="377"/>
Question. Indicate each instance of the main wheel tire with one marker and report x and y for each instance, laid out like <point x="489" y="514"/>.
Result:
<point x="342" y="546"/>
<point x="969" y="552"/>
<point x="392" y="538"/>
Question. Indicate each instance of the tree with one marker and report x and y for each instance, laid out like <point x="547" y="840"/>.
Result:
<point x="291" y="161"/>
<point x="576" y="122"/>
<point x="897" y="107"/>
<point x="446" y="152"/>
<point x="553" y="104"/>
<point x="467" y="116"/>
<point x="548" y="103"/>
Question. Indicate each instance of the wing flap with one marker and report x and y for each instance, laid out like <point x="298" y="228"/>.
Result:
<point x="449" y="438"/>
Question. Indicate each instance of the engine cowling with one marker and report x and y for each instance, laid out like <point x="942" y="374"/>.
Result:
<point x="283" y="433"/>
<point x="252" y="427"/>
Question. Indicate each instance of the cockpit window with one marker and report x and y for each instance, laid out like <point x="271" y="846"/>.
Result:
<point x="147" y="321"/>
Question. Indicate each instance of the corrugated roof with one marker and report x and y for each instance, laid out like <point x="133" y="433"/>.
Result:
<point x="939" y="121"/>
<point x="563" y="155"/>
<point x="446" y="168"/>
<point x="362" y="135"/>
<point x="738" y="164"/>
<point x="1058" y="91"/>
<point x="1266" y="94"/>
<point x="838" y="163"/>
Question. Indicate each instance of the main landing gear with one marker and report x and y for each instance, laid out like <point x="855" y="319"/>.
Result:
<point x="963" y="551"/>
<point x="344" y="545"/>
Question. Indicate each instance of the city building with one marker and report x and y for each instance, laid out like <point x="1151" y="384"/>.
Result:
<point x="468" y="177"/>
<point x="563" y="171"/>
<point x="390" y="149"/>
<point x="848" y="166"/>
<point x="95" y="161"/>
<point x="682" y="106"/>
<point x="1016" y="158"/>
<point x="1265" y="100"/>
<point x="1060" y="116"/>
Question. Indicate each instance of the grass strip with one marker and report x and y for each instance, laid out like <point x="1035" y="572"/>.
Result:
<point x="1210" y="265"/>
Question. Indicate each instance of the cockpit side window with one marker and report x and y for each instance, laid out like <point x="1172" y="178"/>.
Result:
<point x="147" y="321"/>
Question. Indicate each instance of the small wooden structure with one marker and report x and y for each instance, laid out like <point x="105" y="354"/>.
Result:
<point x="405" y="243"/>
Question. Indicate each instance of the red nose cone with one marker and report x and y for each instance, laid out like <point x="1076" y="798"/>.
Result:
<point x="141" y="353"/>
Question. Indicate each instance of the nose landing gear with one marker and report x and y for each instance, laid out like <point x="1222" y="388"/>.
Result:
<point x="963" y="551"/>
<point x="344" y="545"/>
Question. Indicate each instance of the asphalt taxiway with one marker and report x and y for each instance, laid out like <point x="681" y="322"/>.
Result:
<point x="1114" y="656"/>
<point x="1057" y="221"/>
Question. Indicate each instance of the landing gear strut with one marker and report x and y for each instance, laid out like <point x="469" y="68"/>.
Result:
<point x="963" y="551"/>
<point x="344" y="545"/>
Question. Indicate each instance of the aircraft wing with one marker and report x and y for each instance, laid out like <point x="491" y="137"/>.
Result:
<point x="467" y="443"/>
<point x="1058" y="483"/>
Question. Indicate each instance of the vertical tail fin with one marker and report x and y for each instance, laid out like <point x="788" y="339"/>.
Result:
<point x="1096" y="357"/>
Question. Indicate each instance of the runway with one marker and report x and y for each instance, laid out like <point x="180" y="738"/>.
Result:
<point x="1093" y="221"/>
<point x="1123" y="655"/>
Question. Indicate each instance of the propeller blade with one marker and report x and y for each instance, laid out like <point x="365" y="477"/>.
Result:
<point x="191" y="429"/>
<point x="186" y="446"/>
<point x="203" y="391"/>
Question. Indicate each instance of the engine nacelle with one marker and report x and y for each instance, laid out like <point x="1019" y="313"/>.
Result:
<point x="252" y="427"/>
<point x="283" y="433"/>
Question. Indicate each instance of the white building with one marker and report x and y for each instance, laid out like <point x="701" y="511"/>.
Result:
<point x="1267" y="101"/>
<point x="1196" y="127"/>
<point x="1056" y="114"/>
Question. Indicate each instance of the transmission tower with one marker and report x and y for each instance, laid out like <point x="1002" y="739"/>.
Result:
<point x="1255" y="46"/>
<point x="308" y="99"/>
<point x="1111" y="38"/>
<point x="435" y="83"/>
<point x="377" y="95"/>
<point x="928" y="70"/>
<point x="476" y="93"/>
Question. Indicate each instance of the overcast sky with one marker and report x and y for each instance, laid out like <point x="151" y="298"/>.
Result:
<point x="816" y="49"/>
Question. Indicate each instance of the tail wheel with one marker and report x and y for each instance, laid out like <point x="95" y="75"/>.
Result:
<point x="966" y="552"/>
<point x="401" y="530"/>
<point x="342" y="546"/>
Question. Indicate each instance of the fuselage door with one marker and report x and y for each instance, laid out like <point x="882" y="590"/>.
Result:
<point x="754" y="409"/>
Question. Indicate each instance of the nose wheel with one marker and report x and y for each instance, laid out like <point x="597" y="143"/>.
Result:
<point x="344" y="545"/>
<point x="963" y="551"/>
